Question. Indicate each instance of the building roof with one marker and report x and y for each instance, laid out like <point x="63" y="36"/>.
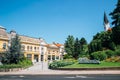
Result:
<point x="51" y="46"/>
<point x="105" y="18"/>
<point x="28" y="39"/>
<point x="3" y="34"/>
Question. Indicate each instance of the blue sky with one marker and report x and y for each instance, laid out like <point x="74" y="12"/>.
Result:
<point x="54" y="20"/>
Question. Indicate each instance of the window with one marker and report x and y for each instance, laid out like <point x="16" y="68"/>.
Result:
<point x="31" y="48"/>
<point x="57" y="57"/>
<point x="49" y="57"/>
<point x="53" y="57"/>
<point x="29" y="56"/>
<point x="28" y="48"/>
<point x="23" y="47"/>
<point x="4" y="45"/>
<point x="42" y="48"/>
<point x="34" y="48"/>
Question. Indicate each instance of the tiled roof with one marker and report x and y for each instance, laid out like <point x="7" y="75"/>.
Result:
<point x="29" y="39"/>
<point x="51" y="46"/>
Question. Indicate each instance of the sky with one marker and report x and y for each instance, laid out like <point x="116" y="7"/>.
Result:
<point x="54" y="20"/>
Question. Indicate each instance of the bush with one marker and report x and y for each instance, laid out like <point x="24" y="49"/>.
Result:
<point x="87" y="61"/>
<point x="10" y="66"/>
<point x="62" y="63"/>
<point x="113" y="59"/>
<point x="100" y="55"/>
<point x="25" y="62"/>
<point x="109" y="53"/>
<point x="117" y="52"/>
<point x="66" y="56"/>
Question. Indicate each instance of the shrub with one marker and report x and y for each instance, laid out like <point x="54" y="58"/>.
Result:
<point x="62" y="63"/>
<point x="87" y="61"/>
<point x="25" y="62"/>
<point x="117" y="52"/>
<point x="67" y="56"/>
<point x="100" y="55"/>
<point x="113" y="59"/>
<point x="109" y="53"/>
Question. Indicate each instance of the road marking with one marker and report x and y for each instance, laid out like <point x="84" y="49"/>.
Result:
<point x="69" y="77"/>
<point x="81" y="77"/>
<point x="21" y="76"/>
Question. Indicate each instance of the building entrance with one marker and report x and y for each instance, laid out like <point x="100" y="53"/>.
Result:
<point x="42" y="57"/>
<point x="36" y="58"/>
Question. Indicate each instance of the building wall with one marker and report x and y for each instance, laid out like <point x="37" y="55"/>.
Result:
<point x="3" y="45"/>
<point x="53" y="53"/>
<point x="34" y="49"/>
<point x="31" y="51"/>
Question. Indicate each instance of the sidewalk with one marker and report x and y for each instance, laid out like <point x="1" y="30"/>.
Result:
<point x="58" y="72"/>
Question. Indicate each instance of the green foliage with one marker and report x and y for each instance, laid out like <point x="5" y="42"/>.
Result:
<point x="62" y="63"/>
<point x="109" y="53"/>
<point x="116" y="15"/>
<point x="83" y="46"/>
<point x="14" y="54"/>
<point x="101" y="41"/>
<point x="95" y="45"/>
<point x="113" y="59"/>
<point x="100" y="55"/>
<point x="67" y="56"/>
<point x="24" y="63"/>
<point x="116" y="22"/>
<point x="117" y="52"/>
<point x="116" y="35"/>
<point x="69" y="45"/>
<point x="76" y="49"/>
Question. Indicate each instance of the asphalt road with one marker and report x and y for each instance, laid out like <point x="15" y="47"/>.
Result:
<point x="60" y="77"/>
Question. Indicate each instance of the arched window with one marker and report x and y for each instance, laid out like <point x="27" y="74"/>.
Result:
<point x="34" y="48"/>
<point x="28" y="48"/>
<point x="23" y="47"/>
<point x="31" y="48"/>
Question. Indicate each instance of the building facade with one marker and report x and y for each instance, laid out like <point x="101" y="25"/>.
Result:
<point x="35" y="49"/>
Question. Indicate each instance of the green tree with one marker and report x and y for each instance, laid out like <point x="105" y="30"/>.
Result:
<point x="69" y="45"/>
<point x="116" y="22"/>
<point x="76" y="48"/>
<point x="116" y="15"/>
<point x="83" y="47"/>
<point x="14" y="54"/>
<point x="101" y="41"/>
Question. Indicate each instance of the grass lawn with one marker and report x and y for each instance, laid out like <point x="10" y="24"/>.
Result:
<point x="101" y="65"/>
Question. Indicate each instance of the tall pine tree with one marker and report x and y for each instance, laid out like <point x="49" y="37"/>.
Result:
<point x="69" y="45"/>
<point x="76" y="48"/>
<point x="116" y="22"/>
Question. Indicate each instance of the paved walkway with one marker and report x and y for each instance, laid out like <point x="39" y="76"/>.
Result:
<point x="40" y="66"/>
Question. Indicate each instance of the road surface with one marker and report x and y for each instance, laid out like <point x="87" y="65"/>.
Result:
<point x="60" y="77"/>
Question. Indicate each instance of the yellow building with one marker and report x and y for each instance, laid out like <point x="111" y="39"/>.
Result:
<point x="35" y="49"/>
<point x="3" y="39"/>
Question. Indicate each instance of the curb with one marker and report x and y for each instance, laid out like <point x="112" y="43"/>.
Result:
<point x="104" y="68"/>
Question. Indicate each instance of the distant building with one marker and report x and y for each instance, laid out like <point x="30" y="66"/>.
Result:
<point x="35" y="49"/>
